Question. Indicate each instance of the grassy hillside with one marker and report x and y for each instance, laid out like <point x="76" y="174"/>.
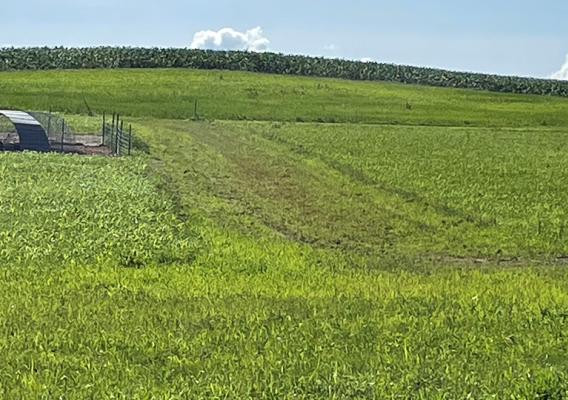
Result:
<point x="255" y="311"/>
<point x="277" y="259"/>
<point x="237" y="96"/>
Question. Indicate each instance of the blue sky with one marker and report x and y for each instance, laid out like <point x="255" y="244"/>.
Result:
<point x="519" y="37"/>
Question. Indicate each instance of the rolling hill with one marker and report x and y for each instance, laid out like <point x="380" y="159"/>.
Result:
<point x="297" y="237"/>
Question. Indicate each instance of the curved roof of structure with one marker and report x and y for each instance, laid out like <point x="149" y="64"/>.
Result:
<point x="32" y="135"/>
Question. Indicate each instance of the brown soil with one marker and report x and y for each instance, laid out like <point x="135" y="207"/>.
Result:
<point x="83" y="150"/>
<point x="87" y="145"/>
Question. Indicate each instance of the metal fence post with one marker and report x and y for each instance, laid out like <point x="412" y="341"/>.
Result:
<point x="117" y="134"/>
<point x="121" y="137"/>
<point x="112" y="132"/>
<point x="129" y="139"/>
<point x="62" y="134"/>
<point x="49" y="124"/>
<point x="104" y="127"/>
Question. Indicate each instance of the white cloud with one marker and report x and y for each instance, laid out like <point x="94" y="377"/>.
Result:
<point x="330" y="47"/>
<point x="231" y="39"/>
<point x="563" y="73"/>
<point x="367" y="60"/>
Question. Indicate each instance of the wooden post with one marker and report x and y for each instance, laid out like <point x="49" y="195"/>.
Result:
<point x="195" y="110"/>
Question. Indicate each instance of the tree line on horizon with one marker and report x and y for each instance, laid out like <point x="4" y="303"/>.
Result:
<point x="35" y="58"/>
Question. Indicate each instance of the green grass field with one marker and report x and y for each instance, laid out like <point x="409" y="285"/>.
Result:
<point x="246" y="96"/>
<point x="395" y="253"/>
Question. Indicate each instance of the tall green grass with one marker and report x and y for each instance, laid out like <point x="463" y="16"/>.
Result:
<point x="246" y="96"/>
<point x="250" y="313"/>
<point x="285" y="260"/>
<point x="292" y="331"/>
<point x="84" y="210"/>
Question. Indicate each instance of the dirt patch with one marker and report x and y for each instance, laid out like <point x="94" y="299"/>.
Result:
<point x="83" y="149"/>
<point x="89" y="145"/>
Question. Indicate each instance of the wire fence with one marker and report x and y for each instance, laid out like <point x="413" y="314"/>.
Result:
<point x="59" y="132"/>
<point x="111" y="137"/>
<point x="116" y="137"/>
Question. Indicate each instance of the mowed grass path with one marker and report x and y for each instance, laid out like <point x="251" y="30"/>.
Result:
<point x="462" y="193"/>
<point x="237" y="95"/>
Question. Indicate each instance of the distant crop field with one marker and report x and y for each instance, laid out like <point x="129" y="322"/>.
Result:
<point x="124" y="57"/>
